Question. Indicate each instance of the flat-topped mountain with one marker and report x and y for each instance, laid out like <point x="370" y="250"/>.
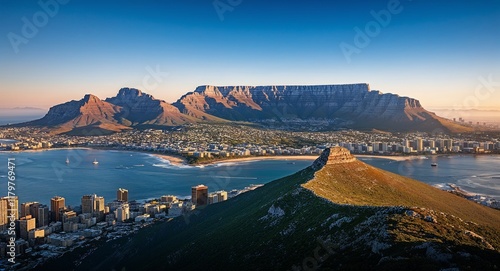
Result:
<point x="356" y="104"/>
<point x="337" y="106"/>
<point x="337" y="214"/>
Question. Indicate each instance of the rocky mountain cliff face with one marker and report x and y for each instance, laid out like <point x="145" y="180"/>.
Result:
<point x="354" y="103"/>
<point x="333" y="106"/>
<point x="86" y="111"/>
<point x="90" y="112"/>
<point x="93" y="116"/>
<point x="140" y="108"/>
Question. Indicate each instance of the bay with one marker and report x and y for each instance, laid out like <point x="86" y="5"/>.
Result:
<point x="478" y="174"/>
<point x="44" y="174"/>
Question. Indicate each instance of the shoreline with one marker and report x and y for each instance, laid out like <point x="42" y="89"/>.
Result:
<point x="393" y="158"/>
<point x="53" y="149"/>
<point x="262" y="158"/>
<point x="174" y="160"/>
<point x="178" y="160"/>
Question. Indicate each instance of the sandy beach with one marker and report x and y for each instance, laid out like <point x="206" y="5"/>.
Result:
<point x="175" y="160"/>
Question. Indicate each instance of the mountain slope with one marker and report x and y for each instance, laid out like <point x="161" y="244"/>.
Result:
<point x="141" y="108"/>
<point x="354" y="103"/>
<point x="89" y="115"/>
<point x="129" y="109"/>
<point x="322" y="107"/>
<point x="301" y="222"/>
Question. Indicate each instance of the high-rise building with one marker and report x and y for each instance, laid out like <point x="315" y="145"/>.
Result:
<point x="100" y="206"/>
<point x="406" y="143"/>
<point x="42" y="215"/>
<point x="122" y="194"/>
<point x="217" y="197"/>
<point x="8" y="206"/>
<point x="25" y="208"/>
<point x="199" y="195"/>
<point x="440" y="144"/>
<point x="122" y="213"/>
<point x="448" y="144"/>
<point x="213" y="198"/>
<point x="56" y="204"/>
<point x="168" y="198"/>
<point x="38" y="211"/>
<point x="87" y="204"/>
<point x="432" y="144"/>
<point x="94" y="205"/>
<point x="418" y="144"/>
<point x="69" y="216"/>
<point x="222" y="195"/>
<point x="26" y="224"/>
<point x="384" y="147"/>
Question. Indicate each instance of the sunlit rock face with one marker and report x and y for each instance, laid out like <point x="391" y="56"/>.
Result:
<point x="333" y="156"/>
<point x="353" y="102"/>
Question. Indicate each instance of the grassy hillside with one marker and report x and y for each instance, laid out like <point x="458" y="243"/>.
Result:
<point x="346" y="216"/>
<point x="357" y="183"/>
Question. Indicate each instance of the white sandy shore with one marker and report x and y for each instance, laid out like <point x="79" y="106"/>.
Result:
<point x="174" y="160"/>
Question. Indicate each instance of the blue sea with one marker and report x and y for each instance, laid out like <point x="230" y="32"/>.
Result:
<point x="44" y="174"/>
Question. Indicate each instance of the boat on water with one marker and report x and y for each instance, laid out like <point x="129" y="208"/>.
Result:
<point x="95" y="162"/>
<point x="67" y="160"/>
<point x="434" y="165"/>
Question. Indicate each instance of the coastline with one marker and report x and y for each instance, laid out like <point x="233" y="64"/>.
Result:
<point x="182" y="161"/>
<point x="53" y="149"/>
<point x="174" y="160"/>
<point x="394" y="158"/>
<point x="262" y="158"/>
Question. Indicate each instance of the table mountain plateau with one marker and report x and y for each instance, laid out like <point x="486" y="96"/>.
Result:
<point x="355" y="103"/>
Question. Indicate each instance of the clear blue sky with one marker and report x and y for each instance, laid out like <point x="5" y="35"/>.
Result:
<point x="435" y="52"/>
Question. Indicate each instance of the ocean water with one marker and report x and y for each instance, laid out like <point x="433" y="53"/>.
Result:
<point x="44" y="174"/>
<point x="478" y="174"/>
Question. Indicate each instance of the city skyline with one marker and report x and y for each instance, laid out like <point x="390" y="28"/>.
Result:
<point x="410" y="48"/>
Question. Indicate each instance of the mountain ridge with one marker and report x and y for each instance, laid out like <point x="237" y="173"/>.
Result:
<point x="362" y="107"/>
<point x="340" y="106"/>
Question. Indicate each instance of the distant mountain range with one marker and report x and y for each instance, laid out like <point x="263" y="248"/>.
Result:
<point x="337" y="214"/>
<point x="341" y="106"/>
